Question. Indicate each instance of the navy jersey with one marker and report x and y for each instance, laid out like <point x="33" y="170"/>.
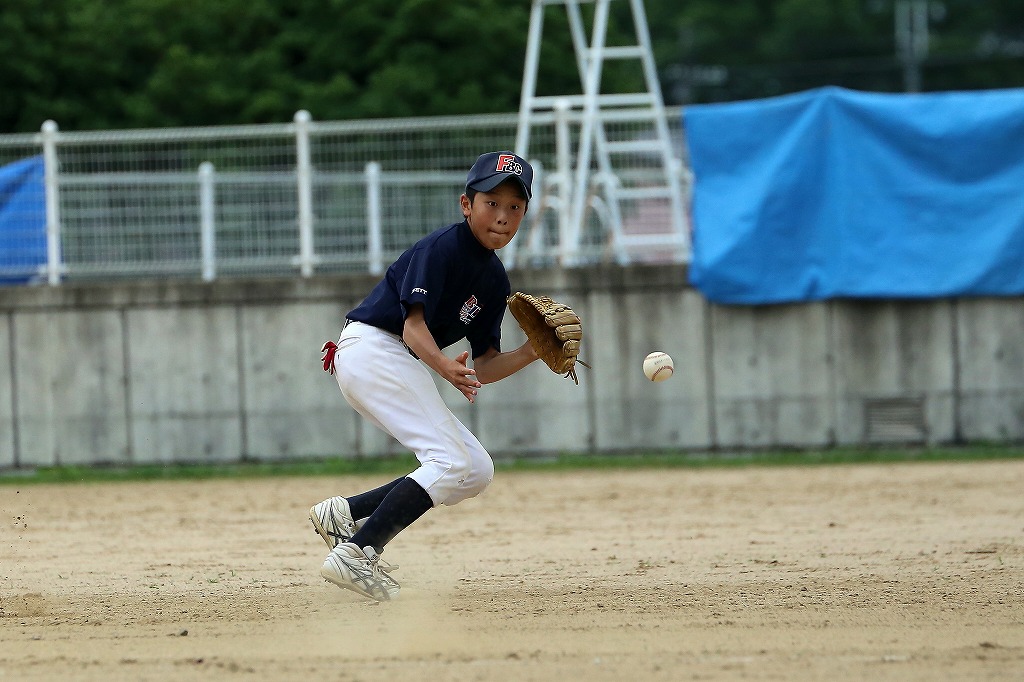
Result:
<point x="462" y="285"/>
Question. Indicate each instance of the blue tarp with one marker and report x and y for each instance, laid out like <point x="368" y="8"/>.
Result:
<point x="835" y="193"/>
<point x="22" y="221"/>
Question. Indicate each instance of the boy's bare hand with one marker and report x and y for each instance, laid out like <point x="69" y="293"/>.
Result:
<point x="462" y="377"/>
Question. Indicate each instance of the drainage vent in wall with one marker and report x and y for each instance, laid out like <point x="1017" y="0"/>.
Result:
<point x="894" y="420"/>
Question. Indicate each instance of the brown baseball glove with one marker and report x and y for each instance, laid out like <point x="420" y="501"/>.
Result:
<point x="553" y="329"/>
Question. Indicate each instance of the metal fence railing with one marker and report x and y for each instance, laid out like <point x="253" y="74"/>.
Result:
<point x="299" y="198"/>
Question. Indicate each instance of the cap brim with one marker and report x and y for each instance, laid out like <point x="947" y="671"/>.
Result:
<point x="490" y="183"/>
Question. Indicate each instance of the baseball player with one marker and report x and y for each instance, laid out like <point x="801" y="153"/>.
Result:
<point x="448" y="286"/>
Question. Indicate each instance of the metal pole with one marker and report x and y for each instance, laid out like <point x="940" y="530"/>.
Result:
<point x="591" y="91"/>
<point x="563" y="180"/>
<point x="911" y="26"/>
<point x="541" y="201"/>
<point x="207" y="224"/>
<point x="529" y="79"/>
<point x="374" y="240"/>
<point x="54" y="266"/>
<point x="304" y="174"/>
<point x="920" y="42"/>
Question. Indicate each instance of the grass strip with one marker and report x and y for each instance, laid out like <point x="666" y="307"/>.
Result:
<point x="396" y="466"/>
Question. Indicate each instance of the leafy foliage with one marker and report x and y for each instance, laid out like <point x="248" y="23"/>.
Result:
<point x="101" y="64"/>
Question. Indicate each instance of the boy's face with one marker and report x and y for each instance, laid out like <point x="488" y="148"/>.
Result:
<point x="494" y="216"/>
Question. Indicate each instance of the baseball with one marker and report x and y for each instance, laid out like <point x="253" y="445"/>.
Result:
<point x="658" y="366"/>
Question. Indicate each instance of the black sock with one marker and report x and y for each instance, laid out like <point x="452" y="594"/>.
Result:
<point x="364" y="504"/>
<point x="406" y="502"/>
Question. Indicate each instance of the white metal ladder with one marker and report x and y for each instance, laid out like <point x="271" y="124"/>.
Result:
<point x="579" y="188"/>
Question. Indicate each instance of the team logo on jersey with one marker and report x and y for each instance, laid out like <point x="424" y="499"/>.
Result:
<point x="419" y="290"/>
<point x="507" y="164"/>
<point x="470" y="309"/>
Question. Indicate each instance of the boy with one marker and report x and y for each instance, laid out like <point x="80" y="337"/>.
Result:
<point x="448" y="286"/>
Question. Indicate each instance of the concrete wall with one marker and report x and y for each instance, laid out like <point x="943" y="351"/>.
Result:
<point x="182" y="371"/>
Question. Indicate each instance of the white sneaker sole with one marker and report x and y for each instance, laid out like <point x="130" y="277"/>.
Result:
<point x="319" y="528"/>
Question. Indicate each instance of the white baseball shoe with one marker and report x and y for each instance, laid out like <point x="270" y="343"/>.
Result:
<point x="360" y="570"/>
<point x="333" y="520"/>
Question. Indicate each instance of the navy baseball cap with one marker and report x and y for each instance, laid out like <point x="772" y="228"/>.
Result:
<point x="492" y="168"/>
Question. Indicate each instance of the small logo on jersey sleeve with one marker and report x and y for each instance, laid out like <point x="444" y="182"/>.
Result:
<point x="507" y="164"/>
<point x="470" y="309"/>
<point x="419" y="290"/>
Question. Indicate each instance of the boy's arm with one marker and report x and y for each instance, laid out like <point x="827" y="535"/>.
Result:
<point x="494" y="366"/>
<point x="418" y="338"/>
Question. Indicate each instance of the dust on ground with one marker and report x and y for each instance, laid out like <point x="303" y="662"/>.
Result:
<point x="860" y="572"/>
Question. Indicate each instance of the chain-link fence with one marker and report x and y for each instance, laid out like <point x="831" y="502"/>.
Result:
<point x="299" y="198"/>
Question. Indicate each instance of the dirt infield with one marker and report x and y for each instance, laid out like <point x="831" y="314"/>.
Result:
<point x="880" y="572"/>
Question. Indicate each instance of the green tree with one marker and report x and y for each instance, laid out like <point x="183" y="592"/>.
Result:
<point x="102" y="64"/>
<point x="720" y="51"/>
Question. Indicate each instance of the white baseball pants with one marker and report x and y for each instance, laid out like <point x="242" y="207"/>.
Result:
<point x="384" y="383"/>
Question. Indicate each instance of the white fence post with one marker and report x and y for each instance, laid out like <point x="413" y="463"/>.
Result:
<point x="304" y="174"/>
<point x="374" y="241"/>
<point x="282" y="206"/>
<point x="542" y="201"/>
<point x="207" y="221"/>
<point x="563" y="181"/>
<point x="54" y="267"/>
